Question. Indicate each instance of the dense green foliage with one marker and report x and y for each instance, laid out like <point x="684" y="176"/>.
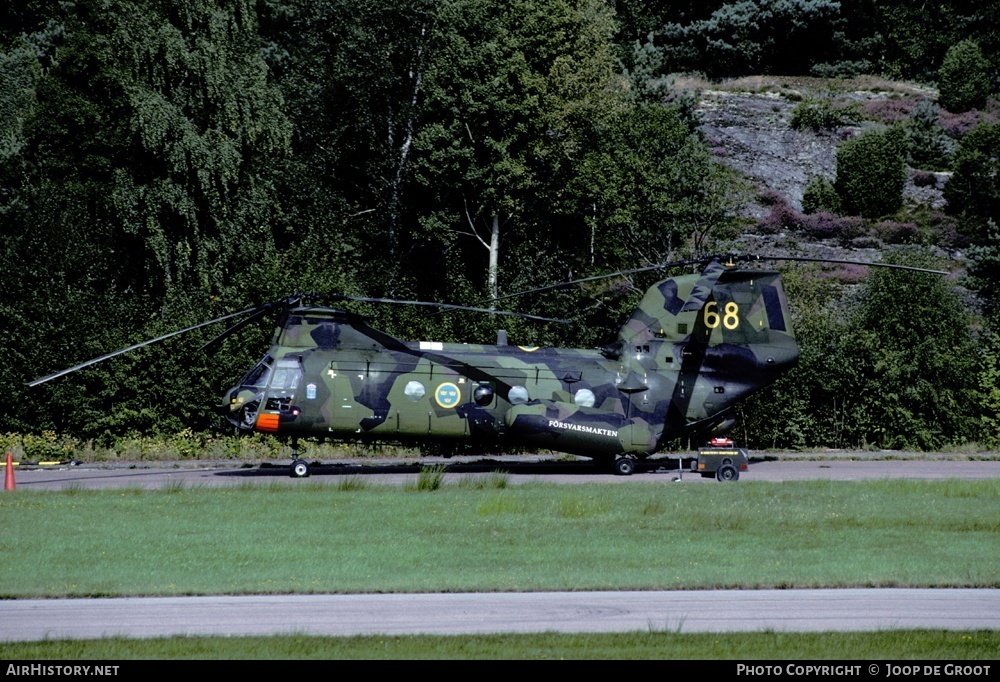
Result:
<point x="723" y="38"/>
<point x="820" y="195"/>
<point x="964" y="78"/>
<point x="973" y="193"/>
<point x="871" y="172"/>
<point x="162" y="164"/>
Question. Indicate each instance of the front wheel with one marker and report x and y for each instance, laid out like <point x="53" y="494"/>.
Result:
<point x="300" y="469"/>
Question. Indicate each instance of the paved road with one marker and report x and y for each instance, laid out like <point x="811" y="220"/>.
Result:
<point x="684" y="611"/>
<point x="519" y="469"/>
<point x="407" y="614"/>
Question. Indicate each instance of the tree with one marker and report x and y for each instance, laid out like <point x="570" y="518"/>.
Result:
<point x="973" y="192"/>
<point x="507" y="91"/>
<point x="871" y="172"/>
<point x="964" y="78"/>
<point x="908" y="341"/>
<point x="149" y="151"/>
<point x="772" y="36"/>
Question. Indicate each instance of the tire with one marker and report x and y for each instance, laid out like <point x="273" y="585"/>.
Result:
<point x="727" y="472"/>
<point x="624" y="466"/>
<point x="300" y="469"/>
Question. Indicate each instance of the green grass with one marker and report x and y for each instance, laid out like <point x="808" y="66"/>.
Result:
<point x="315" y="538"/>
<point x="895" y="645"/>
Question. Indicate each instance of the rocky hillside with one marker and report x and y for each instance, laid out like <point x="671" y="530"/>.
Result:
<point x="748" y="124"/>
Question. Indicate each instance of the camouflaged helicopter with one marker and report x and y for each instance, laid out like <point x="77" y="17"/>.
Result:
<point x="695" y="346"/>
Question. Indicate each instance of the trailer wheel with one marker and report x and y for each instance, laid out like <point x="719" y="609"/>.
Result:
<point x="727" y="472"/>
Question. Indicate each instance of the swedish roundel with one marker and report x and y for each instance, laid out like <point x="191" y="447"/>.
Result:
<point x="448" y="395"/>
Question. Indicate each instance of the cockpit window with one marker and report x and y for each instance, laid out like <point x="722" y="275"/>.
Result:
<point x="286" y="375"/>
<point x="258" y="376"/>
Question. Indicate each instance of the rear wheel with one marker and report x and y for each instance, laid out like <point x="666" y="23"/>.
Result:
<point x="624" y="466"/>
<point x="300" y="469"/>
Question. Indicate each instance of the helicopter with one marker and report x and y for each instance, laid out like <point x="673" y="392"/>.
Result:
<point x="696" y="345"/>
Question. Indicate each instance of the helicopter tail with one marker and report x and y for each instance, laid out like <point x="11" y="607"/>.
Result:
<point x="726" y="333"/>
<point x="720" y="306"/>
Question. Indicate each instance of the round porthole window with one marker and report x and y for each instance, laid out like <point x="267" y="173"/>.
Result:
<point x="517" y="395"/>
<point x="414" y="391"/>
<point x="585" y="398"/>
<point x="483" y="395"/>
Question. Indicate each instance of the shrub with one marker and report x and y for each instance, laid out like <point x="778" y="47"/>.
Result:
<point x="929" y="146"/>
<point x="973" y="193"/>
<point x="781" y="217"/>
<point x="771" y="197"/>
<point x="964" y="78"/>
<point x="818" y="116"/>
<point x="871" y="172"/>
<point x="820" y="195"/>
<point x="955" y="126"/>
<point x="924" y="179"/>
<point x="889" y="111"/>
<point x="825" y="225"/>
<point x="891" y="232"/>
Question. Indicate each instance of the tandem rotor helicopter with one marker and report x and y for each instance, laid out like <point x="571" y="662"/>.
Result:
<point x="695" y="346"/>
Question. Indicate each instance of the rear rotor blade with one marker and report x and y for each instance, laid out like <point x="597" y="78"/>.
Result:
<point x="452" y="306"/>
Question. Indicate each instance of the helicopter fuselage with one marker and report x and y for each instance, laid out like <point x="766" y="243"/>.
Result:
<point x="328" y="374"/>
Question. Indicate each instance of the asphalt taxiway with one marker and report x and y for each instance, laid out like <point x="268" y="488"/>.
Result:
<point x="674" y="611"/>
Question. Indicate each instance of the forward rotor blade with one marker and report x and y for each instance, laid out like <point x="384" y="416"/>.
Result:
<point x="82" y="365"/>
<point x="257" y="313"/>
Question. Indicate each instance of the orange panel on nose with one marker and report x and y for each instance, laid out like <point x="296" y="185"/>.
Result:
<point x="267" y="422"/>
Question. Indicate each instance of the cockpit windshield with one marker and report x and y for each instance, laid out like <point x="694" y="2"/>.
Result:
<point x="258" y="376"/>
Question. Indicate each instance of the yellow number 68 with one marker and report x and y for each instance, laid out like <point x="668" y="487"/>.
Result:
<point x="729" y="319"/>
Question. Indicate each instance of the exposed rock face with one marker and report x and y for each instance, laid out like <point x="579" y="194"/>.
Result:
<point x="752" y="133"/>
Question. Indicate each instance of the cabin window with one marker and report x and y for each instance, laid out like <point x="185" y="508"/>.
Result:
<point x="414" y="391"/>
<point x="517" y="395"/>
<point x="585" y="398"/>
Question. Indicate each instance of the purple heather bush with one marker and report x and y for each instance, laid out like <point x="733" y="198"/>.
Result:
<point x="824" y="225"/>
<point x="891" y="232"/>
<point x="889" y="111"/>
<point x="781" y="217"/>
<point x="924" y="179"/>
<point x="771" y="197"/>
<point x="957" y="125"/>
<point x="846" y="274"/>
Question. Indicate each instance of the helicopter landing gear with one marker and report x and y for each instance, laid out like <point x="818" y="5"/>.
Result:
<point x="623" y="466"/>
<point x="300" y="467"/>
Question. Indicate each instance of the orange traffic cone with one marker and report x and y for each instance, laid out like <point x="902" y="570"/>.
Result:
<point x="8" y="479"/>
